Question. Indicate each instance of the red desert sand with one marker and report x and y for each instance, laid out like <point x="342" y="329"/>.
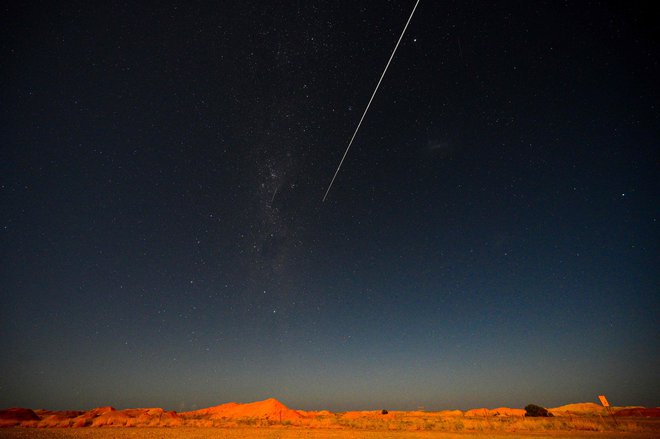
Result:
<point x="271" y="413"/>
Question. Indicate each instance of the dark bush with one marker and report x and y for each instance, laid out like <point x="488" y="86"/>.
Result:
<point x="383" y="412"/>
<point x="534" y="411"/>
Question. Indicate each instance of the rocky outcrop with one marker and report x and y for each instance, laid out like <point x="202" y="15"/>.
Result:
<point x="98" y="417"/>
<point x="17" y="416"/>
<point x="268" y="410"/>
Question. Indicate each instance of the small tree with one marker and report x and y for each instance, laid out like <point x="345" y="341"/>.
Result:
<point x="535" y="411"/>
<point x="383" y="412"/>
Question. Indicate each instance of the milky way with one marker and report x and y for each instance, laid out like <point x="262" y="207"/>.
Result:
<point x="490" y="241"/>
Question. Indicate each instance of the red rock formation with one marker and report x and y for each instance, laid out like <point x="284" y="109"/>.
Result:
<point x="60" y="419"/>
<point x="16" y="416"/>
<point x="270" y="409"/>
<point x="150" y="417"/>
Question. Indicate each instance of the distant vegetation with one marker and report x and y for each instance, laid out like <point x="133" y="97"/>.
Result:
<point x="535" y="411"/>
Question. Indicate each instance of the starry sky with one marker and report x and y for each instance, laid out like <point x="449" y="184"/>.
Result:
<point x="491" y="239"/>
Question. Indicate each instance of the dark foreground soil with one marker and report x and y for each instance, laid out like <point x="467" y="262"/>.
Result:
<point x="285" y="433"/>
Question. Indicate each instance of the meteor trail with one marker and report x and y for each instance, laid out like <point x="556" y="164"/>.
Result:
<point x="371" y="99"/>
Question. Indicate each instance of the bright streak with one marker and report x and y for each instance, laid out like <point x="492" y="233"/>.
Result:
<point x="371" y="99"/>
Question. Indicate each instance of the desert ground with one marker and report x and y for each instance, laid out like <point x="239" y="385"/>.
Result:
<point x="272" y="419"/>
<point x="291" y="433"/>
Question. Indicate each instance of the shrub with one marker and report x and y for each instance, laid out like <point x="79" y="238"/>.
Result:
<point x="384" y="412"/>
<point x="535" y="411"/>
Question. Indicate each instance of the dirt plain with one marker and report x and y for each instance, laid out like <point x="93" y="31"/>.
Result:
<point x="294" y="433"/>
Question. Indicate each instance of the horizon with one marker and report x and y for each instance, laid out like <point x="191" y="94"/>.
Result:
<point x="490" y="240"/>
<point x="276" y="400"/>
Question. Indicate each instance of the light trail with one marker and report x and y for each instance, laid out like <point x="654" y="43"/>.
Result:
<point x="371" y="99"/>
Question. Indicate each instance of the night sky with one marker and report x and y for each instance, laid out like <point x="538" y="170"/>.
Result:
<point x="491" y="239"/>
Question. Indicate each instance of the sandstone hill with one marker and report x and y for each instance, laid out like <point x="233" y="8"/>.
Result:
<point x="269" y="409"/>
